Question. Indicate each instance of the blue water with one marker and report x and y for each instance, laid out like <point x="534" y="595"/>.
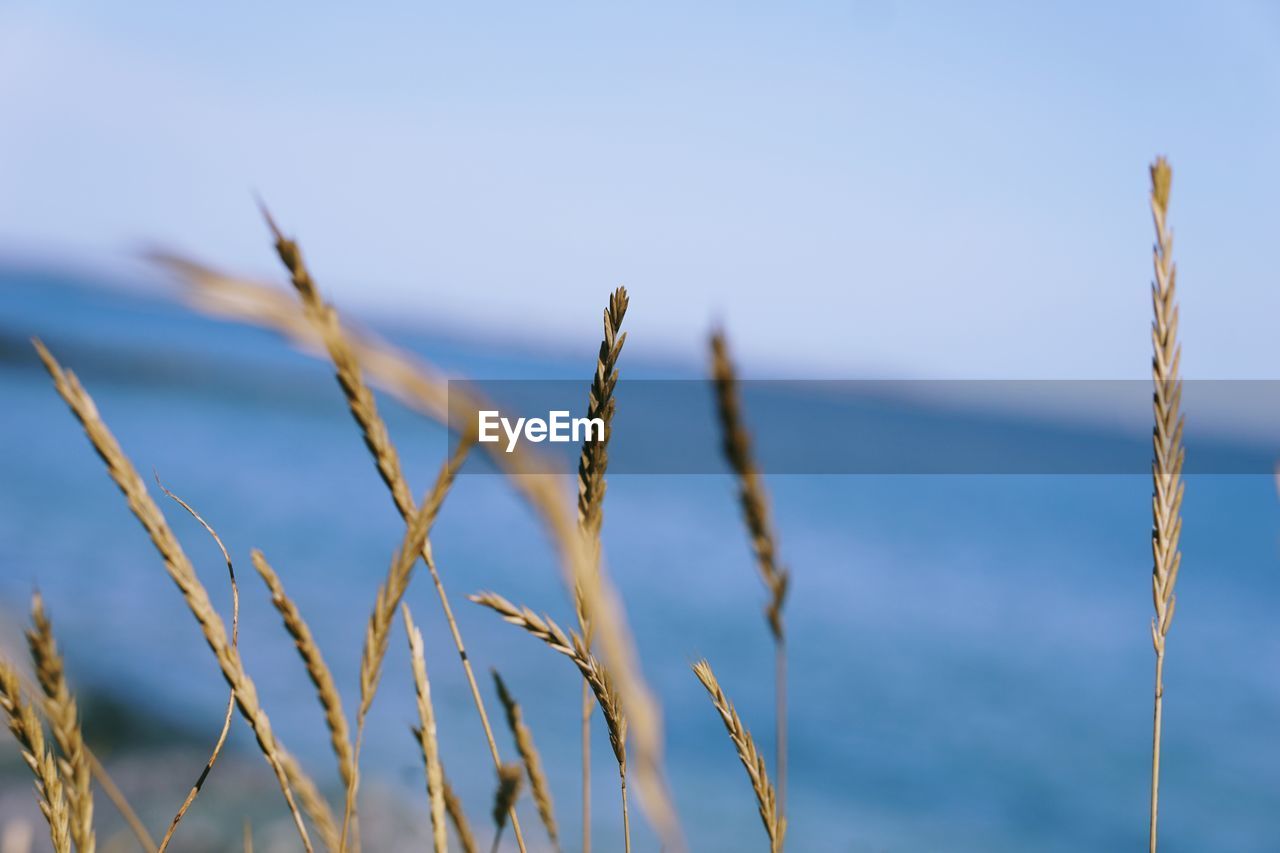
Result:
<point x="971" y="663"/>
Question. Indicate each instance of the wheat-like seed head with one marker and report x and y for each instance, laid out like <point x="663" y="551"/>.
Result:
<point x="360" y="399"/>
<point x="312" y="802"/>
<point x="572" y="646"/>
<point x="458" y="818"/>
<point x="317" y="670"/>
<point x="538" y="785"/>
<point x="426" y="731"/>
<point x="423" y="388"/>
<point x="736" y="444"/>
<point x="504" y="798"/>
<point x="64" y="723"/>
<point x="751" y="758"/>
<point x="26" y="729"/>
<point x="1169" y="452"/>
<point x="594" y="459"/>
<point x="178" y="567"/>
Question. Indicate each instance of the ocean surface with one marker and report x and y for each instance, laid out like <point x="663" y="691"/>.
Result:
<point x="970" y="655"/>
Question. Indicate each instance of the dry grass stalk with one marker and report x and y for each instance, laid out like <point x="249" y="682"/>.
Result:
<point x="312" y="802"/>
<point x="736" y="443"/>
<point x="572" y="646"/>
<point x="774" y="824"/>
<point x="118" y="799"/>
<point x="362" y="403"/>
<point x="538" y="785"/>
<point x="235" y="639"/>
<point x="248" y="836"/>
<point x="458" y="818"/>
<point x="1169" y="453"/>
<point x="376" y="639"/>
<point x="26" y="728"/>
<point x="179" y="569"/>
<point x="504" y="799"/>
<point x="592" y="463"/>
<point x="424" y="389"/>
<point x="64" y="723"/>
<point x="317" y="670"/>
<point x="425" y="732"/>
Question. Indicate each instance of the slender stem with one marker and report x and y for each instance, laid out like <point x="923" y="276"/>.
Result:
<point x="471" y="680"/>
<point x="1155" y="751"/>
<point x="626" y="816"/>
<point x="588" y="703"/>
<point x="780" y="721"/>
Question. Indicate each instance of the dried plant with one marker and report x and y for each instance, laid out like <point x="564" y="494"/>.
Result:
<point x="458" y="818"/>
<point x="538" y="785"/>
<point x="363" y="406"/>
<point x="26" y="729"/>
<point x="179" y="569"/>
<point x="425" y="732"/>
<point x="424" y="389"/>
<point x="64" y="724"/>
<point x="592" y="463"/>
<point x="317" y="670"/>
<point x="774" y="823"/>
<point x="736" y="444"/>
<point x="1166" y="469"/>
<point x="504" y="799"/>
<point x="572" y="646"/>
<point x="312" y="802"/>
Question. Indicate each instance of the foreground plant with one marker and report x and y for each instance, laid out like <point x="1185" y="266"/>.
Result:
<point x="736" y="444"/>
<point x="1166" y="469"/>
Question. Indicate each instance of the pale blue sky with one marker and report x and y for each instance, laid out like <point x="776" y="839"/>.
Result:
<point x="941" y="189"/>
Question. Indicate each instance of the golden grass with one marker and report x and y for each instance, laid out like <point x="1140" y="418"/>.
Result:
<point x="458" y="817"/>
<point x="612" y="681"/>
<point x="64" y="724"/>
<point x="572" y="646"/>
<point x="425" y="732"/>
<point x="27" y="730"/>
<point x="363" y="407"/>
<point x="736" y="444"/>
<point x="539" y="787"/>
<point x="504" y="799"/>
<point x="775" y="825"/>
<point x="179" y="569"/>
<point x="1166" y="469"/>
<point x="317" y="670"/>
<point x="592" y="463"/>
<point x="424" y="389"/>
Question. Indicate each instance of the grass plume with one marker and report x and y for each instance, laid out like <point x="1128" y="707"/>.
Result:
<point x="425" y="732"/>
<point x="572" y="646"/>
<point x="592" y="463"/>
<point x="538" y="785"/>
<point x="504" y="799"/>
<point x="458" y="817"/>
<point x="1169" y="453"/>
<point x="317" y="670"/>
<point x="179" y="569"/>
<point x="64" y="724"/>
<point x="27" y="730"/>
<point x="736" y="444"/>
<point x="423" y="388"/>
<point x="363" y="405"/>
<point x="775" y="825"/>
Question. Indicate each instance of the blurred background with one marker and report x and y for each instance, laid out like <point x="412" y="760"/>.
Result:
<point x="853" y="190"/>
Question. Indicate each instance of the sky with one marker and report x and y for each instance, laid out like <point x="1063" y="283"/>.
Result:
<point x="853" y="189"/>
